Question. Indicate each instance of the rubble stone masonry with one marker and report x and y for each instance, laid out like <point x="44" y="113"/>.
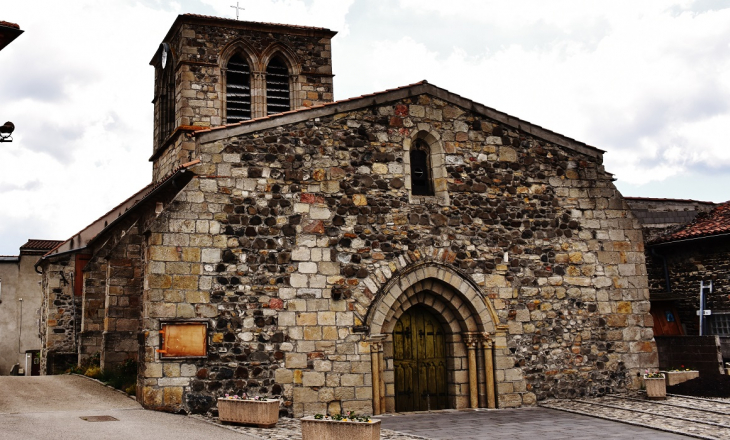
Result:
<point x="293" y="236"/>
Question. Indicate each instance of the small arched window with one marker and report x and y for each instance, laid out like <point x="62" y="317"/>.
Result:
<point x="238" y="90"/>
<point x="277" y="87"/>
<point x="421" y="182"/>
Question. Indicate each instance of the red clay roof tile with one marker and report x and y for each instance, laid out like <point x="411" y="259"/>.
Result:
<point x="35" y="244"/>
<point x="715" y="222"/>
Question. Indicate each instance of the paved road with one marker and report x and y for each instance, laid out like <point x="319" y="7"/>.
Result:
<point x="52" y="407"/>
<point x="517" y="424"/>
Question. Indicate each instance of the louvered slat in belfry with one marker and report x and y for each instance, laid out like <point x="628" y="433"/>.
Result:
<point x="277" y="87"/>
<point x="238" y="90"/>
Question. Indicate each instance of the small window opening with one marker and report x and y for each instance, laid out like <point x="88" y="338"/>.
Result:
<point x="277" y="87"/>
<point x="420" y="169"/>
<point x="238" y="90"/>
<point x="167" y="102"/>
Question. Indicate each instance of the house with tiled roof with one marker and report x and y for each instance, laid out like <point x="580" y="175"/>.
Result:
<point x="396" y="251"/>
<point x="20" y="302"/>
<point x="686" y="258"/>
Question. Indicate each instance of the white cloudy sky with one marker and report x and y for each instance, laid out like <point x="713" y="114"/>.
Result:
<point x="648" y="81"/>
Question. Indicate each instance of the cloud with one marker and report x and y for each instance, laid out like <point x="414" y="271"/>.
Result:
<point x="28" y="186"/>
<point x="53" y="138"/>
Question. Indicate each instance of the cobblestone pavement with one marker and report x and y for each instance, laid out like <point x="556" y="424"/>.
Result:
<point x="291" y="429"/>
<point x="612" y="417"/>
<point x="690" y="416"/>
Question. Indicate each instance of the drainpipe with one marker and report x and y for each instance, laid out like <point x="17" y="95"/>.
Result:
<point x="654" y="253"/>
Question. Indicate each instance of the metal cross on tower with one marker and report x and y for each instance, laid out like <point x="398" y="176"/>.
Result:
<point x="237" y="8"/>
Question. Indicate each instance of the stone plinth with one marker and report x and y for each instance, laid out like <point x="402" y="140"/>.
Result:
<point x="263" y="413"/>
<point x="313" y="429"/>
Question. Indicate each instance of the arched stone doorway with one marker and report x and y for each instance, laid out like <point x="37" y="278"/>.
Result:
<point x="467" y="319"/>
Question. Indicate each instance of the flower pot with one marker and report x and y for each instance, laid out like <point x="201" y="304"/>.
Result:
<point x="675" y="377"/>
<point x="263" y="413"/>
<point x="656" y="388"/>
<point x="313" y="429"/>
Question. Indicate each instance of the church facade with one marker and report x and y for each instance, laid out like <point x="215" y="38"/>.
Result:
<point x="405" y="250"/>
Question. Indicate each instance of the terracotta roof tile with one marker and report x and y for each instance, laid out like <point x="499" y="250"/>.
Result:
<point x="9" y="24"/>
<point x="35" y="244"/>
<point x="715" y="222"/>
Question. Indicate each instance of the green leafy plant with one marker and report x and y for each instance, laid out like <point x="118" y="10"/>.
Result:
<point x="122" y="377"/>
<point x="653" y="375"/>
<point x="349" y="416"/>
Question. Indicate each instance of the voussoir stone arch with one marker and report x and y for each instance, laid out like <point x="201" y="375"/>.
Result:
<point x="239" y="47"/>
<point x="280" y="50"/>
<point x="446" y="313"/>
<point x="437" y="158"/>
<point x="470" y="307"/>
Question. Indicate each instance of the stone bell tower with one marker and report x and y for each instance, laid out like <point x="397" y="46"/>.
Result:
<point x="212" y="71"/>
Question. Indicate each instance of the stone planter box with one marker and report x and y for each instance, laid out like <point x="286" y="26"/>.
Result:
<point x="263" y="413"/>
<point x="656" y="388"/>
<point x="675" y="377"/>
<point x="313" y="429"/>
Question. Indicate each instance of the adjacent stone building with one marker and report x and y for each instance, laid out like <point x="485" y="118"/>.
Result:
<point x="405" y="248"/>
<point x="20" y="302"/>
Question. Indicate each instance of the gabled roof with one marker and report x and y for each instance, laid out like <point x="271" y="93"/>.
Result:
<point x="82" y="239"/>
<point x="714" y="223"/>
<point x="359" y="102"/>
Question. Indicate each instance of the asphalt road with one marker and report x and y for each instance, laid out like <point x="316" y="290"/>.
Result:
<point x="64" y="407"/>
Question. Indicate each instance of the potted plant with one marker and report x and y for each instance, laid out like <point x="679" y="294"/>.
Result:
<point x="679" y="375"/>
<point x="337" y="427"/>
<point x="656" y="388"/>
<point x="255" y="410"/>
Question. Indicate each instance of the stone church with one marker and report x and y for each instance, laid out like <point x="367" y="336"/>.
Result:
<point x="405" y="250"/>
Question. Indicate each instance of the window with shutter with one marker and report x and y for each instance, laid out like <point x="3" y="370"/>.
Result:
<point x="238" y="90"/>
<point x="277" y="87"/>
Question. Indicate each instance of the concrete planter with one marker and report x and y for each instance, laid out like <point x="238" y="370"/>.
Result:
<point x="675" y="377"/>
<point x="656" y="388"/>
<point x="313" y="429"/>
<point x="263" y="413"/>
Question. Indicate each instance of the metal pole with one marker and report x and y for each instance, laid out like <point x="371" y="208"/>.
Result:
<point x="702" y="305"/>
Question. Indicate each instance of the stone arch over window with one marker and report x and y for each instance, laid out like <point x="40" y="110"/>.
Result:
<point x="469" y="321"/>
<point x="238" y="82"/>
<point x="282" y="69"/>
<point x="425" y="167"/>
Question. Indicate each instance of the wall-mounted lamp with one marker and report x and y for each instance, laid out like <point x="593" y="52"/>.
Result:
<point x="6" y="130"/>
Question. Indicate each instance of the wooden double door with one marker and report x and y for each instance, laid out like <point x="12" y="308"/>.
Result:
<point x="419" y="350"/>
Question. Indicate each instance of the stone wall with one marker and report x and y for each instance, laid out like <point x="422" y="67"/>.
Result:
<point x="689" y="264"/>
<point x="122" y="309"/>
<point x="661" y="216"/>
<point x="60" y="322"/>
<point x="290" y="235"/>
